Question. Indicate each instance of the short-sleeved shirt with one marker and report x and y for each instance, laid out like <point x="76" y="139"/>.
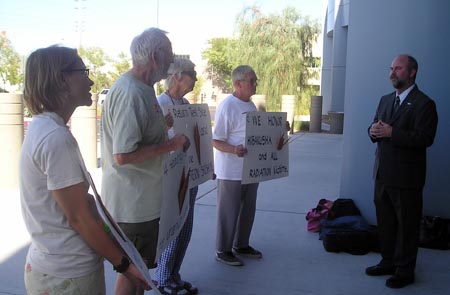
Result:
<point x="131" y="117"/>
<point x="229" y="126"/>
<point x="50" y="160"/>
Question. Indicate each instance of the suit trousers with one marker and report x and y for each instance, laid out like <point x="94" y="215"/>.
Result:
<point x="236" y="207"/>
<point x="398" y="216"/>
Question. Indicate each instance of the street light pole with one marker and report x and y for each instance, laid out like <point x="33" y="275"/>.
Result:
<point x="80" y="22"/>
<point x="157" y="13"/>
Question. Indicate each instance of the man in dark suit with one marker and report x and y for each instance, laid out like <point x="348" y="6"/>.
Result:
<point x="404" y="126"/>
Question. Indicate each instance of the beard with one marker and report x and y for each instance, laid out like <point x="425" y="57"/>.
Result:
<point x="159" y="74"/>
<point x="398" y="83"/>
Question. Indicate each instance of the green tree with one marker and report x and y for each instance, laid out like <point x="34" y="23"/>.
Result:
<point x="96" y="59"/>
<point x="121" y="66"/>
<point x="9" y="63"/>
<point x="159" y="88"/>
<point x="198" y="88"/>
<point x="220" y="62"/>
<point x="279" y="48"/>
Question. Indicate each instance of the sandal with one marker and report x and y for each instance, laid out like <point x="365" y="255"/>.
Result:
<point x="191" y="289"/>
<point x="172" y="289"/>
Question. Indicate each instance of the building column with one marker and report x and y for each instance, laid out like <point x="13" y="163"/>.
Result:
<point x="83" y="125"/>
<point x="11" y="138"/>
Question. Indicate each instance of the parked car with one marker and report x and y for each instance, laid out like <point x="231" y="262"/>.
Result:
<point x="102" y="95"/>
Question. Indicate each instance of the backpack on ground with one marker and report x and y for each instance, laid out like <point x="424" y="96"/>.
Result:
<point x="316" y="214"/>
<point x="343" y="207"/>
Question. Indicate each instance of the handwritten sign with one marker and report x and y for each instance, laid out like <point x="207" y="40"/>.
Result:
<point x="194" y="120"/>
<point x="175" y="204"/>
<point x="118" y="235"/>
<point x="267" y="149"/>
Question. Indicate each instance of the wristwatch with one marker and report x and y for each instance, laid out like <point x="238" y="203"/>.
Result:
<point x="123" y="266"/>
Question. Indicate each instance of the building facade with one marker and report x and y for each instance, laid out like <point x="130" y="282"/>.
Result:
<point x="360" y="40"/>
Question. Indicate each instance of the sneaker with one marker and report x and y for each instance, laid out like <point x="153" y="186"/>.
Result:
<point x="228" y="258"/>
<point x="248" y="252"/>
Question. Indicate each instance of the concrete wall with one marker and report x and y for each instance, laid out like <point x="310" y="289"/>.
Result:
<point x="334" y="56"/>
<point x="325" y="83"/>
<point x="379" y="30"/>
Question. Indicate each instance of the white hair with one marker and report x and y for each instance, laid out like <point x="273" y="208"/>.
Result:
<point x="149" y="41"/>
<point x="178" y="66"/>
<point x="240" y="71"/>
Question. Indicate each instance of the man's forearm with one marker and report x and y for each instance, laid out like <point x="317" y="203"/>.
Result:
<point x="144" y="153"/>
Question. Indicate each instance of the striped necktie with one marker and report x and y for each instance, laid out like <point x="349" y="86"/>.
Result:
<point x="396" y="104"/>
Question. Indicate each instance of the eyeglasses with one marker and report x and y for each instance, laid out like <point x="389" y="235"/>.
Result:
<point x="251" y="81"/>
<point x="85" y="72"/>
<point x="192" y="74"/>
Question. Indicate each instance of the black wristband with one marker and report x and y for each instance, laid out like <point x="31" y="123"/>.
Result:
<point x="123" y="266"/>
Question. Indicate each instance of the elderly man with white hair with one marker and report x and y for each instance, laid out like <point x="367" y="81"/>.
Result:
<point x="134" y="144"/>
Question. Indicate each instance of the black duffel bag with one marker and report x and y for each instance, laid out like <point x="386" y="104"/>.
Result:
<point x="351" y="234"/>
<point x="434" y="233"/>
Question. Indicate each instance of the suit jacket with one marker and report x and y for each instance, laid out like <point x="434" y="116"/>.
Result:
<point x="400" y="161"/>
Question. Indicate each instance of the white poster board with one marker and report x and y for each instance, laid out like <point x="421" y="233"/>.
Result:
<point x="266" y="140"/>
<point x="120" y="237"/>
<point x="175" y="203"/>
<point x="194" y="120"/>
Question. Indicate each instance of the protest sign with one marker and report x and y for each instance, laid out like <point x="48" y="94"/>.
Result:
<point x="175" y="204"/>
<point x="266" y="141"/>
<point x="194" y="120"/>
<point x="119" y="236"/>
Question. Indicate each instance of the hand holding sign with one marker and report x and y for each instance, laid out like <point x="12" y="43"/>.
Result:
<point x="240" y="150"/>
<point x="169" y="120"/>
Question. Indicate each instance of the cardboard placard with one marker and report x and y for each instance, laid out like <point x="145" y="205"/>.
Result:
<point x="266" y="140"/>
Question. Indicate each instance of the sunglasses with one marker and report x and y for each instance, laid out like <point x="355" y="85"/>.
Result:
<point x="251" y="81"/>
<point x="85" y="72"/>
<point x="192" y="74"/>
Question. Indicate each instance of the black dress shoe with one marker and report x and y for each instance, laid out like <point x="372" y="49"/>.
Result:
<point x="397" y="281"/>
<point x="378" y="270"/>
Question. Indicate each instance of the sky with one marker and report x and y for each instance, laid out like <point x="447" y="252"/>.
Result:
<point x="112" y="24"/>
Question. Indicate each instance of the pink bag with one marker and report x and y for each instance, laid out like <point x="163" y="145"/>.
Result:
<point x="314" y="215"/>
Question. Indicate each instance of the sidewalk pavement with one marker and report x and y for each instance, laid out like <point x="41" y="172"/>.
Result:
<point x="294" y="262"/>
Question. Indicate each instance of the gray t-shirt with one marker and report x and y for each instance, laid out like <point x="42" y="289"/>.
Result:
<point x="131" y="117"/>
